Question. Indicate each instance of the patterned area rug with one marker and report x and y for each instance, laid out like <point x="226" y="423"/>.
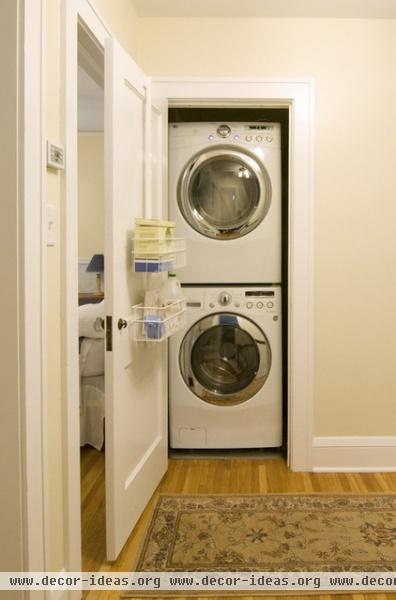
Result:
<point x="271" y="532"/>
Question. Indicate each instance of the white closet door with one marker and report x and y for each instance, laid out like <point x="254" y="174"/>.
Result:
<point x="136" y="394"/>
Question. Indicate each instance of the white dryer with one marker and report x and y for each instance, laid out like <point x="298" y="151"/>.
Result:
<point x="225" y="196"/>
<point x="225" y="377"/>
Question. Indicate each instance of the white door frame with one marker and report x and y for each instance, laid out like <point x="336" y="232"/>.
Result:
<point x="74" y="12"/>
<point x="34" y="288"/>
<point x="28" y="254"/>
<point x="298" y="96"/>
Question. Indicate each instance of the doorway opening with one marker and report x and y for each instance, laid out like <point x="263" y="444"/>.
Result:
<point x="91" y="312"/>
<point x="234" y="117"/>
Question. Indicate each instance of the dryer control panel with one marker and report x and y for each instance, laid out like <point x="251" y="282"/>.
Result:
<point x="254" y="135"/>
<point x="246" y="300"/>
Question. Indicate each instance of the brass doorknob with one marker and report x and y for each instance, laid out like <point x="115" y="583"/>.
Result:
<point x="122" y="323"/>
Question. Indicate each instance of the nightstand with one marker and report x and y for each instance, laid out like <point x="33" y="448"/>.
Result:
<point x="89" y="298"/>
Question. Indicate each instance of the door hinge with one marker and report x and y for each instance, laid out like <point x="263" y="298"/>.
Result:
<point x="109" y="333"/>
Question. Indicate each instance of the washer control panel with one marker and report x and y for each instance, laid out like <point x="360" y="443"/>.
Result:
<point x="244" y="300"/>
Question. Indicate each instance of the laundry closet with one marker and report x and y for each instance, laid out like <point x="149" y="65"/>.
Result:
<point x="228" y="195"/>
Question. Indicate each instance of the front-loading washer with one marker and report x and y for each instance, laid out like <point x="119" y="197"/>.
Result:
<point x="225" y="197"/>
<point x="225" y="369"/>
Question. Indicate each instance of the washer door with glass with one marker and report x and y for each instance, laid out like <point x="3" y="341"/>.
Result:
<point x="224" y="192"/>
<point x="225" y="359"/>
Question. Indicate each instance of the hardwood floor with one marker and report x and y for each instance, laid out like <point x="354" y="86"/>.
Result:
<point x="205" y="476"/>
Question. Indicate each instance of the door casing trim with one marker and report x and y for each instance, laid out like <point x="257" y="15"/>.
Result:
<point x="297" y="95"/>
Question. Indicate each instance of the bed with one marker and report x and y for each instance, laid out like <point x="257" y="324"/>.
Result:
<point x="92" y="411"/>
<point x="92" y="386"/>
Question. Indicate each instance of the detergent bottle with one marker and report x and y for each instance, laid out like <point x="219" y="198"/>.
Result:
<point x="171" y="290"/>
<point x="174" y="302"/>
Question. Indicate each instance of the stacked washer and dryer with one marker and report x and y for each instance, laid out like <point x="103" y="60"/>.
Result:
<point x="225" y="378"/>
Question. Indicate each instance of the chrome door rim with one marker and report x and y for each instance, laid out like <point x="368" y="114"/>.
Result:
<point x="192" y="216"/>
<point x="187" y="371"/>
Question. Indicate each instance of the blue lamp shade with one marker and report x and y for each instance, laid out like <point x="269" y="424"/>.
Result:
<point x="96" y="264"/>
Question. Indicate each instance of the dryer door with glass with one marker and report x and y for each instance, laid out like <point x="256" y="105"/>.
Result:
<point x="224" y="192"/>
<point x="225" y="359"/>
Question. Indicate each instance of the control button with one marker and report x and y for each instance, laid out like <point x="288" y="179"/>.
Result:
<point x="259" y="305"/>
<point x="259" y="138"/>
<point x="211" y="304"/>
<point x="269" y="138"/>
<point x="224" y="298"/>
<point x="249" y="304"/>
<point x="211" y="137"/>
<point x="236" y="137"/>
<point x="237" y="305"/>
<point x="223" y="131"/>
<point x="248" y="138"/>
<point x="270" y="304"/>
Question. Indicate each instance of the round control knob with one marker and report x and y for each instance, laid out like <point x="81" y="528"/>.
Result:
<point x="237" y="305"/>
<point x="211" y="304"/>
<point x="248" y="138"/>
<point x="259" y="305"/>
<point x="223" y="131"/>
<point x="269" y="138"/>
<point x="270" y="304"/>
<point x="249" y="304"/>
<point x="259" y="138"/>
<point x="224" y="299"/>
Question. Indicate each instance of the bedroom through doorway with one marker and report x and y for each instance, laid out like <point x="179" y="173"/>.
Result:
<point x="91" y="313"/>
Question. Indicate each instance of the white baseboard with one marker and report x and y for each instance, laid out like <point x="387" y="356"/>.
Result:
<point x="354" y="454"/>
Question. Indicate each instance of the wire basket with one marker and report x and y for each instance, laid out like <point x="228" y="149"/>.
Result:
<point x="155" y="324"/>
<point x="158" y="255"/>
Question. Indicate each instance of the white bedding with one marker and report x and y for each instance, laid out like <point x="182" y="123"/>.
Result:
<point x="92" y="411"/>
<point x="90" y="320"/>
<point x="92" y="357"/>
<point x="92" y="398"/>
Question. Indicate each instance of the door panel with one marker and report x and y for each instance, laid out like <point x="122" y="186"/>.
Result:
<point x="136" y="402"/>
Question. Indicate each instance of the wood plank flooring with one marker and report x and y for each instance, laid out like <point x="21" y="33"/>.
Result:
<point x="206" y="476"/>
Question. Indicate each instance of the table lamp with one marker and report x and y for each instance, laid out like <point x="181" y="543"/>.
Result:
<point x="96" y="265"/>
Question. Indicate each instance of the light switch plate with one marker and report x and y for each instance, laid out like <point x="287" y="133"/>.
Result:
<point x="51" y="225"/>
<point x="55" y="156"/>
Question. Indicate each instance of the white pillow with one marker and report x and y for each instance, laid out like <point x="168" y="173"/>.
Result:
<point x="92" y="357"/>
<point x="90" y="320"/>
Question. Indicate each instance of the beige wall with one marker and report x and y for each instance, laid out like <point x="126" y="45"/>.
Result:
<point x="352" y="63"/>
<point x="11" y="460"/>
<point x="121" y="18"/>
<point x="90" y="195"/>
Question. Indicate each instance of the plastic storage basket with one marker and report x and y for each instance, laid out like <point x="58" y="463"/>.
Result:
<point x="153" y="235"/>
